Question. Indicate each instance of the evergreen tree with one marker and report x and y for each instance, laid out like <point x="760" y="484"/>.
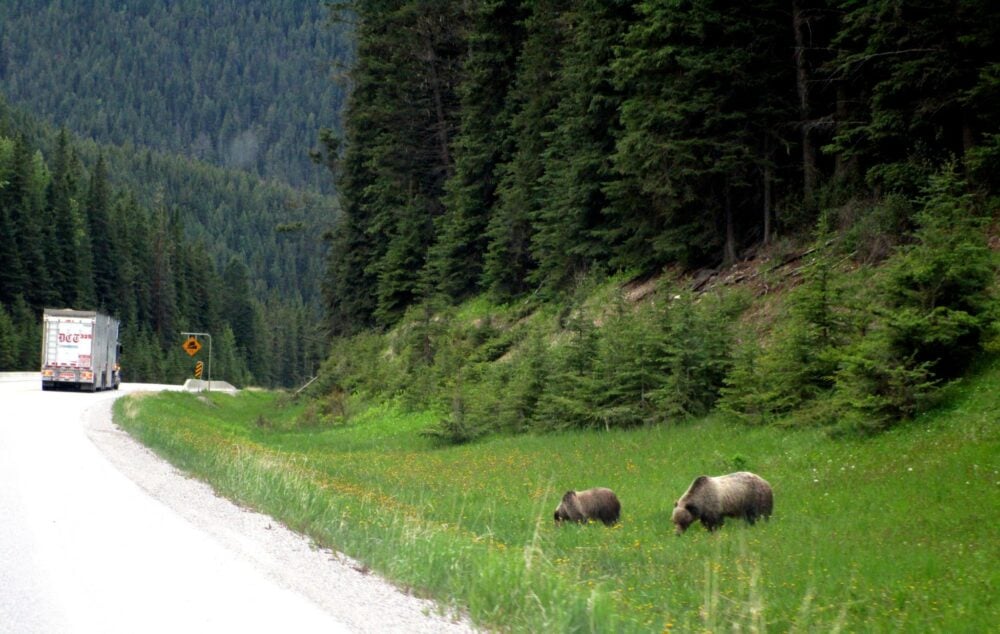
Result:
<point x="144" y="75"/>
<point x="481" y="145"/>
<point x="509" y="260"/>
<point x="695" y="353"/>
<point x="227" y="362"/>
<point x="399" y="279"/>
<point x="705" y="104"/>
<point x="29" y="334"/>
<point x="8" y="341"/>
<point x="568" y="399"/>
<point x="799" y="364"/>
<point x="20" y="199"/>
<point x="938" y="289"/>
<point x="162" y="272"/>
<point x="628" y="369"/>
<point x="571" y="229"/>
<point x="401" y="120"/>
<point x="237" y="306"/>
<point x="97" y="206"/>
<point x="62" y="242"/>
<point x="12" y="276"/>
<point x="923" y="77"/>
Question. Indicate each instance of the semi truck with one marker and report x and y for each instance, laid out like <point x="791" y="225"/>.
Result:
<point x="80" y="350"/>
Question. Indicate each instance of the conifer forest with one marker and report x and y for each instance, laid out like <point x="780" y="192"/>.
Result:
<point x="294" y="176"/>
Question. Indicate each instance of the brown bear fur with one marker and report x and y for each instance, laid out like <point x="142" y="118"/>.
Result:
<point x="592" y="504"/>
<point x="710" y="499"/>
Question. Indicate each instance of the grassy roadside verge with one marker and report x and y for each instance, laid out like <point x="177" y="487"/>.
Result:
<point x="891" y="533"/>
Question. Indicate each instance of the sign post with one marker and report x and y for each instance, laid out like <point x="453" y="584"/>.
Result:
<point x="192" y="346"/>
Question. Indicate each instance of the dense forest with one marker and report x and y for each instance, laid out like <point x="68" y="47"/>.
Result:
<point x="163" y="243"/>
<point x="511" y="146"/>
<point x="198" y="124"/>
<point x="238" y="84"/>
<point x="510" y="171"/>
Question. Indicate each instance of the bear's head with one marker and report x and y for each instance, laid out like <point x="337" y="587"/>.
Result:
<point x="683" y="516"/>
<point x="567" y="509"/>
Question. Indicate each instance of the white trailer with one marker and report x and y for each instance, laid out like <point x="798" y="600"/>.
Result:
<point x="79" y="350"/>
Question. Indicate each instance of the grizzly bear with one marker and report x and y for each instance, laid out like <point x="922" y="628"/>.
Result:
<point x="710" y="499"/>
<point x="592" y="504"/>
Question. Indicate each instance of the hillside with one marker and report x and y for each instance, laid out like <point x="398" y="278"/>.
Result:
<point x="246" y="85"/>
<point x="166" y="244"/>
<point x="514" y="148"/>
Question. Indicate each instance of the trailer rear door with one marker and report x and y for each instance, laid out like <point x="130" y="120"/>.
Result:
<point x="69" y="342"/>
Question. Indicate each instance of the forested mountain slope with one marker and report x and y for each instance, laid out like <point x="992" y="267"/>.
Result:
<point x="240" y="84"/>
<point x="165" y="243"/>
<point x="513" y="146"/>
<point x="501" y="159"/>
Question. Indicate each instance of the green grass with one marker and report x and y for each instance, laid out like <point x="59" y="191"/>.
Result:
<point x="892" y="533"/>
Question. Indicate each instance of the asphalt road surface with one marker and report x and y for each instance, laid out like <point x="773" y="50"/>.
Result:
<point x="97" y="534"/>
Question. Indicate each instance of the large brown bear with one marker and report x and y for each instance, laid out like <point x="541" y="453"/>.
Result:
<point x="710" y="499"/>
<point x="592" y="504"/>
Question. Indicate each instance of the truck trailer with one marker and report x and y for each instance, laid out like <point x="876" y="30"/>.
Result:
<point x="80" y="350"/>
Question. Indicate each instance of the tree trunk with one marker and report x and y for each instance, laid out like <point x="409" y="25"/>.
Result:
<point x="729" y="256"/>
<point x="843" y="167"/>
<point x="442" y="122"/>
<point x="768" y="211"/>
<point x="968" y="135"/>
<point x="799" y="26"/>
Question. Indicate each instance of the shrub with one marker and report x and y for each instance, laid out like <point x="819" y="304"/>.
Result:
<point x="799" y="364"/>
<point x="696" y="349"/>
<point x="938" y="307"/>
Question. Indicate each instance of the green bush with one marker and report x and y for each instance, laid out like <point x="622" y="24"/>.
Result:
<point x="696" y="347"/>
<point x="798" y="364"/>
<point x="938" y="306"/>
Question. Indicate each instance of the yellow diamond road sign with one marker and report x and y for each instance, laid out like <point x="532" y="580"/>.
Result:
<point x="191" y="346"/>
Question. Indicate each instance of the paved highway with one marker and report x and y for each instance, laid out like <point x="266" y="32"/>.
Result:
<point x="99" y="535"/>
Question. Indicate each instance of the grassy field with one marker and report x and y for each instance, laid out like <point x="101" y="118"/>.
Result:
<point x="886" y="534"/>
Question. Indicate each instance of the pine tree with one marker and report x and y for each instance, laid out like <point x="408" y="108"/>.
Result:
<point x="400" y="283"/>
<point x="569" y="397"/>
<point x="628" y="368"/>
<point x="509" y="260"/>
<point x="400" y="122"/>
<point x="922" y="76"/>
<point x="22" y="201"/>
<point x="8" y="341"/>
<point x="570" y="227"/>
<point x="695" y="353"/>
<point x="97" y="206"/>
<point x="12" y="277"/>
<point x="162" y="271"/>
<point x="237" y="306"/>
<point x="64" y="235"/>
<point x="481" y="145"/>
<point x="706" y="103"/>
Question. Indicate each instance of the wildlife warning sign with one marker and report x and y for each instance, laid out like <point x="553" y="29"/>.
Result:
<point x="191" y="346"/>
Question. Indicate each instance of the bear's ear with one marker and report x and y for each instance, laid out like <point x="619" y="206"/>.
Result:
<point x="698" y="483"/>
<point x="692" y="509"/>
<point x="569" y="496"/>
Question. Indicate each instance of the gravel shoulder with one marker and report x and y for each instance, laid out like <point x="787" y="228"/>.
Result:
<point x="362" y="601"/>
